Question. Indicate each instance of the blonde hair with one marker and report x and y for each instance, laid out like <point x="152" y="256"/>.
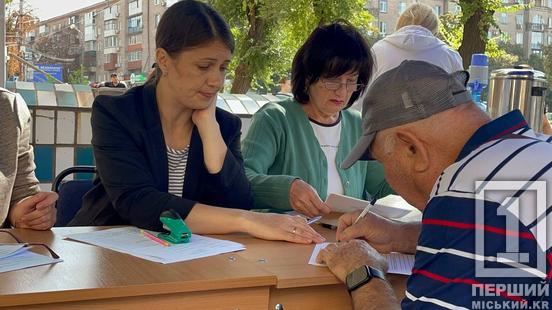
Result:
<point x="419" y="14"/>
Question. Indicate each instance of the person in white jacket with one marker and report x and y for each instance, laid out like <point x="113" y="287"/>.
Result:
<point x="414" y="39"/>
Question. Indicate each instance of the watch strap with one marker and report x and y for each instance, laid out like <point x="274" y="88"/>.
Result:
<point x="370" y="272"/>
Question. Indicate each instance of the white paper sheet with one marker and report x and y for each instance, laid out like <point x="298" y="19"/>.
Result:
<point x="25" y="259"/>
<point x="391" y="206"/>
<point x="9" y="249"/>
<point x="129" y="240"/>
<point x="398" y="263"/>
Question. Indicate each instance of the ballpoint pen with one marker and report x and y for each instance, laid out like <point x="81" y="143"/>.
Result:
<point x="366" y="209"/>
<point x="313" y="219"/>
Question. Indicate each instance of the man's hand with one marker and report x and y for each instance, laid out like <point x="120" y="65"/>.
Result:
<point x="546" y="128"/>
<point x="342" y="258"/>
<point x="35" y="212"/>
<point x="383" y="234"/>
<point x="377" y="230"/>
<point x="304" y="199"/>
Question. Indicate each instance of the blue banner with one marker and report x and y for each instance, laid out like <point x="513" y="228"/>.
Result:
<point x="54" y="70"/>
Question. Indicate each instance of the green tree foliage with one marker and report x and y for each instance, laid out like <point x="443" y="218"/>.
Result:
<point x="269" y="32"/>
<point x="77" y="76"/>
<point x="468" y="31"/>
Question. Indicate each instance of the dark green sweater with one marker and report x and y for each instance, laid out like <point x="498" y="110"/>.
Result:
<point x="280" y="146"/>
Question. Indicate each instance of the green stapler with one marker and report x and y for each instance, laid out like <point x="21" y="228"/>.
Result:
<point x="177" y="230"/>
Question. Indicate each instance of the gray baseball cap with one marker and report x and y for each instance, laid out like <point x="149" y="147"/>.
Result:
<point x="410" y="92"/>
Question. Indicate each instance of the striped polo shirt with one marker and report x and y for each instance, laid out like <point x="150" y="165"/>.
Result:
<point x="488" y="249"/>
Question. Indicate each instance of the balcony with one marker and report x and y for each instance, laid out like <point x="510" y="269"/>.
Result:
<point x="132" y="30"/>
<point x="110" y="14"/>
<point x="111" y="50"/>
<point x="90" y="59"/>
<point x="535" y="26"/>
<point x="132" y="65"/>
<point x="110" y="32"/>
<point x="134" y="10"/>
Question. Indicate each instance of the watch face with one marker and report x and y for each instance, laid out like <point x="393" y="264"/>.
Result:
<point x="357" y="277"/>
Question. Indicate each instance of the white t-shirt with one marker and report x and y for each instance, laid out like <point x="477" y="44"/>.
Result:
<point x="328" y="136"/>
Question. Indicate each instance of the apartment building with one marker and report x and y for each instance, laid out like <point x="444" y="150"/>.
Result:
<point x="118" y="36"/>
<point x="530" y="28"/>
<point x="111" y="36"/>
<point x="386" y="12"/>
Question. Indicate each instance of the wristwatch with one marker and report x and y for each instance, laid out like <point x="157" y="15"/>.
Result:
<point x="361" y="276"/>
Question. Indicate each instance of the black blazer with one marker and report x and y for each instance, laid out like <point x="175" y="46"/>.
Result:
<point x="131" y="159"/>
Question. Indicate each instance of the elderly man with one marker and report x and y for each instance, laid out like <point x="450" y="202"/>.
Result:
<point x="480" y="244"/>
<point x="22" y="205"/>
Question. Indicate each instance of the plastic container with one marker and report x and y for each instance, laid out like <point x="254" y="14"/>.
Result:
<point x="479" y="78"/>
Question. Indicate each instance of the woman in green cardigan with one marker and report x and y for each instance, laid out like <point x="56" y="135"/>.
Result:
<point x="293" y="149"/>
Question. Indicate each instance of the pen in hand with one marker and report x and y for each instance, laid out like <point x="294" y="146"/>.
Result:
<point x="366" y="209"/>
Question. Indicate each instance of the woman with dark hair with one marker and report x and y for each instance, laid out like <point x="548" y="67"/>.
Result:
<point x="293" y="149"/>
<point x="165" y="145"/>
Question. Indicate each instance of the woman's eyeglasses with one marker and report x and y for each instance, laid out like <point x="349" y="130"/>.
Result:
<point x="336" y="85"/>
<point x="26" y="244"/>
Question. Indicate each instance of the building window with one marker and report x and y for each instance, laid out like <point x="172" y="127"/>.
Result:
<point x="503" y="18"/>
<point x="90" y="45"/>
<point x="549" y="22"/>
<point x="157" y="19"/>
<point x="537" y="19"/>
<point x="133" y="5"/>
<point x="156" y="2"/>
<point x="111" y="41"/>
<point x="111" y="25"/>
<point x="519" y="38"/>
<point x="549" y="39"/>
<point x="383" y="28"/>
<point x="437" y="10"/>
<point x="107" y="58"/>
<point x="90" y="18"/>
<point x="111" y="10"/>
<point x="135" y="39"/>
<point x="383" y="6"/>
<point x="536" y="40"/>
<point x="519" y="19"/>
<point x="402" y="7"/>
<point x="135" y="24"/>
<point x="135" y="56"/>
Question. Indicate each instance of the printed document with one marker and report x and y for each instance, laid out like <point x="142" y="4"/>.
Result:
<point x="129" y="240"/>
<point x="398" y="263"/>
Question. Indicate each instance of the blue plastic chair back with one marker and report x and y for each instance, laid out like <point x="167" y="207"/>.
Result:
<point x="70" y="193"/>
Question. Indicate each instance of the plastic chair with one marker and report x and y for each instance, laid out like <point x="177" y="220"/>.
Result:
<point x="70" y="193"/>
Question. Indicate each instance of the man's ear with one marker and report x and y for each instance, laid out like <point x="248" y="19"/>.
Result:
<point x="416" y="150"/>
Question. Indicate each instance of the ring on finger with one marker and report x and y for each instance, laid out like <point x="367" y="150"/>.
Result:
<point x="294" y="230"/>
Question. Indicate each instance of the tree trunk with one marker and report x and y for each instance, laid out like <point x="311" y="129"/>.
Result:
<point x="242" y="79"/>
<point x="472" y="37"/>
<point x="255" y="35"/>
